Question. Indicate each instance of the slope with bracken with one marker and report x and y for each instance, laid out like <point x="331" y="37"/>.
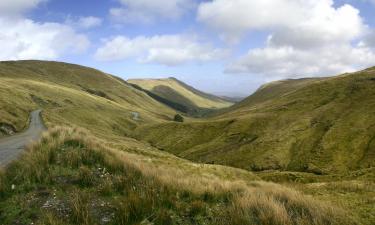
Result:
<point x="181" y="96"/>
<point x="323" y="125"/>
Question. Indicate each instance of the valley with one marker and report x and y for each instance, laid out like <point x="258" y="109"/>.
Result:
<point x="294" y="152"/>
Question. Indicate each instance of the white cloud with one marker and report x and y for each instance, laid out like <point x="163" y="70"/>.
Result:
<point x="233" y="18"/>
<point x="15" y="7"/>
<point x="315" y="38"/>
<point x="147" y="11"/>
<point x="85" y="22"/>
<point x="368" y="40"/>
<point x="168" y="50"/>
<point x="283" y="62"/>
<point x="25" y="39"/>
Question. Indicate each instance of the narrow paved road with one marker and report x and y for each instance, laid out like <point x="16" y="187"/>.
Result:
<point x="11" y="147"/>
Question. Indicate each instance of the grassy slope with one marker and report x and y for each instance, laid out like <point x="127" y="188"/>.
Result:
<point x="72" y="94"/>
<point x="177" y="91"/>
<point x="63" y="182"/>
<point x="269" y="91"/>
<point x="320" y="126"/>
<point x="72" y="177"/>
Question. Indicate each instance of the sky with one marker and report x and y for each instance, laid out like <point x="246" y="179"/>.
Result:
<point x="225" y="47"/>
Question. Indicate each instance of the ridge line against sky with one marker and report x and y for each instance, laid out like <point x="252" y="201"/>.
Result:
<point x="227" y="47"/>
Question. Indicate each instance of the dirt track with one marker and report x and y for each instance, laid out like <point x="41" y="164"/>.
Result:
<point x="11" y="147"/>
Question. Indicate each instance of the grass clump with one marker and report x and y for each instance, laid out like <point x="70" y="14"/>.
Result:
<point x="178" y="118"/>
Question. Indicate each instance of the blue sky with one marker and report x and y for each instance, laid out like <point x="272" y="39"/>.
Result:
<point x="227" y="47"/>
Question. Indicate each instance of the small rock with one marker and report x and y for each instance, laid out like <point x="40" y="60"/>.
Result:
<point x="106" y="219"/>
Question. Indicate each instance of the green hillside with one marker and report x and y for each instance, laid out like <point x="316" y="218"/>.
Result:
<point x="181" y="96"/>
<point x="88" y="168"/>
<point x="72" y="94"/>
<point x="311" y="125"/>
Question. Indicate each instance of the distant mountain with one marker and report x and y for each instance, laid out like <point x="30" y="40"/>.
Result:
<point x="180" y="96"/>
<point x="321" y="125"/>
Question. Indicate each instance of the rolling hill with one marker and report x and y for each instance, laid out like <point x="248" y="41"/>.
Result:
<point x="181" y="96"/>
<point x="89" y="169"/>
<point x="320" y="126"/>
<point x="73" y="95"/>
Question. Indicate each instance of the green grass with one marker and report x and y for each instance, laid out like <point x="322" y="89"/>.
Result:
<point x="61" y="90"/>
<point x="321" y="126"/>
<point x="315" y="135"/>
<point x="71" y="177"/>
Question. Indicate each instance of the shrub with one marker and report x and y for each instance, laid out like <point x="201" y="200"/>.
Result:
<point x="178" y="118"/>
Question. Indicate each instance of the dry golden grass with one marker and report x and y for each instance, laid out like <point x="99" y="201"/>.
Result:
<point x="273" y="204"/>
<point x="248" y="202"/>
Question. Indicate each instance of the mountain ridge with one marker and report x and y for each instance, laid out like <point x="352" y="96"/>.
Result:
<point x="175" y="91"/>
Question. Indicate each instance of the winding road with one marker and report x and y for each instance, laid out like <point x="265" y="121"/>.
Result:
<point x="11" y="147"/>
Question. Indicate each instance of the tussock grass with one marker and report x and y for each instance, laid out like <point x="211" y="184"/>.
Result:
<point x="92" y="182"/>
<point x="274" y="204"/>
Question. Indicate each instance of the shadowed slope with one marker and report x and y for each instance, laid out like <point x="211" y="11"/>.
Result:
<point x="177" y="92"/>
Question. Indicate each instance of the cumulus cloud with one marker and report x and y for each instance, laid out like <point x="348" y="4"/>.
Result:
<point x="369" y="40"/>
<point x="23" y="38"/>
<point x="233" y="18"/>
<point x="286" y="61"/>
<point x="26" y="39"/>
<point x="15" y="7"/>
<point x="85" y="22"/>
<point x="315" y="38"/>
<point x="170" y="50"/>
<point x="147" y="11"/>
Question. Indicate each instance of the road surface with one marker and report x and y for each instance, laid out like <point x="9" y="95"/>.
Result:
<point x="11" y="147"/>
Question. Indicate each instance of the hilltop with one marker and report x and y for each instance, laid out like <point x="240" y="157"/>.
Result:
<point x="181" y="96"/>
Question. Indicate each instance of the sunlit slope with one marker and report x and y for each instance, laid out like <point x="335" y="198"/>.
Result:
<point x="73" y="95"/>
<point x="272" y="90"/>
<point x="83" y="176"/>
<point x="320" y="126"/>
<point x="179" y="92"/>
